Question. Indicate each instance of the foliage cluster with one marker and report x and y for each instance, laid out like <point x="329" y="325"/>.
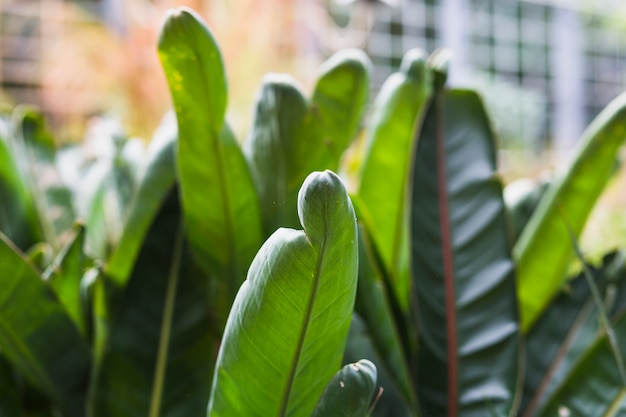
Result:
<point x="208" y="278"/>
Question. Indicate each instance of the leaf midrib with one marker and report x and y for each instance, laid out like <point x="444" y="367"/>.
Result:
<point x="166" y="327"/>
<point x="309" y="311"/>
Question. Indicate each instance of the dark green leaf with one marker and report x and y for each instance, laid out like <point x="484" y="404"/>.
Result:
<point x="10" y="402"/>
<point x="397" y="111"/>
<point x="155" y="183"/>
<point x="543" y="250"/>
<point x="219" y="199"/>
<point x="360" y="345"/>
<point x="463" y="272"/>
<point x="594" y="387"/>
<point x="38" y="337"/>
<point x="287" y="328"/>
<point x="158" y="355"/>
<point x="349" y="393"/>
<point x="293" y="137"/>
<point x="561" y="334"/>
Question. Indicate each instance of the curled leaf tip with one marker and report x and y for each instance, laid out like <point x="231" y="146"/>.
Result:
<point x="322" y="193"/>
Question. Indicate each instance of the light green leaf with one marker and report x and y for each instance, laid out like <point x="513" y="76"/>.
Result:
<point x="397" y="111"/>
<point x="64" y="276"/>
<point x="38" y="337"/>
<point x="155" y="183"/>
<point x="349" y="393"/>
<point x="157" y="358"/>
<point x="463" y="272"/>
<point x="386" y="325"/>
<point x="293" y="136"/>
<point x="18" y="217"/>
<point x="219" y="199"/>
<point x="288" y="326"/>
<point x="36" y="155"/>
<point x="543" y="250"/>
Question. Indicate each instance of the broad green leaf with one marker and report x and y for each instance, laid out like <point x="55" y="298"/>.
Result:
<point x="594" y="387"/>
<point x="219" y="199"/>
<point x="561" y="334"/>
<point x="397" y="111"/>
<point x="543" y="250"/>
<point x="38" y="337"/>
<point x="349" y="393"/>
<point x="65" y="274"/>
<point x="292" y="136"/>
<point x="10" y="401"/>
<point x="159" y="351"/>
<point x="384" y="324"/>
<point x="36" y="153"/>
<point x="155" y="183"/>
<point x="463" y="271"/>
<point x="287" y="329"/>
<point x="18" y="217"/>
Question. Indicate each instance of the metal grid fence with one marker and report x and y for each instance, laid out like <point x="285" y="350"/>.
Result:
<point x="557" y="65"/>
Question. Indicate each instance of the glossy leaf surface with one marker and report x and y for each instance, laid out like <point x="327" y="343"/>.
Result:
<point x="38" y="337"/>
<point x="463" y="272"/>
<point x="566" y="329"/>
<point x="384" y="324"/>
<point x="219" y="199"/>
<point x="543" y="251"/>
<point x="293" y="136"/>
<point x="397" y="111"/>
<point x="594" y="388"/>
<point x="158" y="355"/>
<point x="287" y="328"/>
<point x="349" y="393"/>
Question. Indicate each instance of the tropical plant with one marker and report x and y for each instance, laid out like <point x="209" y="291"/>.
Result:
<point x="240" y="278"/>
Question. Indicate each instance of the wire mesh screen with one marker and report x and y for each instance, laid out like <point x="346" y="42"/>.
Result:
<point x="544" y="70"/>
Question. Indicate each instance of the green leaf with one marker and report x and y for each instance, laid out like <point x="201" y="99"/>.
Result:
<point x="158" y="356"/>
<point x="65" y="274"/>
<point x="594" y="387"/>
<point x="397" y="111"/>
<point x="349" y="393"/>
<point x="522" y="198"/>
<point x="10" y="402"/>
<point x="292" y="136"/>
<point x="463" y="272"/>
<point x="359" y="345"/>
<point x="36" y="152"/>
<point x="155" y="183"/>
<point x="384" y="324"/>
<point x="219" y="199"/>
<point x="543" y="250"/>
<point x="288" y="326"/>
<point x="18" y="217"/>
<point x="38" y="337"/>
<point x="561" y="334"/>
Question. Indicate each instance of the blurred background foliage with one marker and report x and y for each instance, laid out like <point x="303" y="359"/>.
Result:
<point x="544" y="67"/>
